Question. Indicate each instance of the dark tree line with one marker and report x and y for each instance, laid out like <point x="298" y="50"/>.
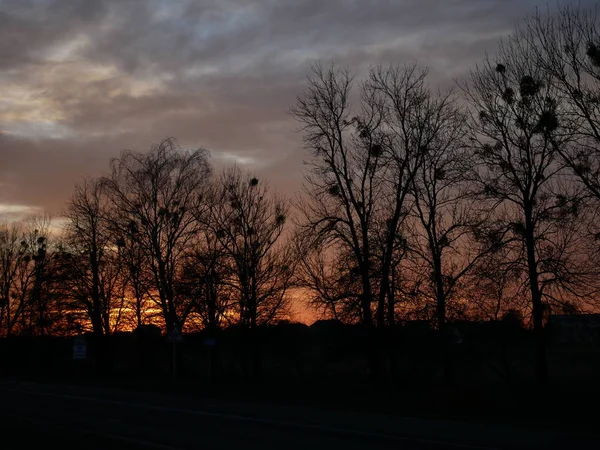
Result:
<point x="159" y="240"/>
<point x="478" y="202"/>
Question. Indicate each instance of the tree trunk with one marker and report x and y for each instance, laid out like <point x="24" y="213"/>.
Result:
<point x="253" y="307"/>
<point x="381" y="298"/>
<point x="381" y="310"/>
<point x="383" y="290"/>
<point x="446" y="343"/>
<point x="366" y="297"/>
<point x="138" y="312"/>
<point x="138" y="303"/>
<point x="440" y="297"/>
<point x="391" y="306"/>
<point x="541" y="364"/>
<point x="367" y="322"/>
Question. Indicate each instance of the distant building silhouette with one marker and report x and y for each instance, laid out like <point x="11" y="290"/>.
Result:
<point x="575" y="328"/>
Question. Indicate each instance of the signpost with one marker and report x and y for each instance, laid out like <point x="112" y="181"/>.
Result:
<point x="174" y="336"/>
<point x="209" y="343"/>
<point x="79" y="348"/>
<point x="79" y="353"/>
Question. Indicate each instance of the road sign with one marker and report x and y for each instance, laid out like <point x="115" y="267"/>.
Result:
<point x="79" y="348"/>
<point x="174" y="335"/>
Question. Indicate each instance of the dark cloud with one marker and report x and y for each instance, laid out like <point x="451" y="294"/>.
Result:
<point x="84" y="79"/>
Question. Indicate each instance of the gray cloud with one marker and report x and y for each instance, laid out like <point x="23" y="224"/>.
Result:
<point x="86" y="78"/>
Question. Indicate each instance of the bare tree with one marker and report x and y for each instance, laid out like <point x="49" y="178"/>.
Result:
<point x="156" y="193"/>
<point x="90" y="258"/>
<point x="12" y="254"/>
<point x="26" y="278"/>
<point x="205" y="281"/>
<point x="249" y="220"/>
<point x="328" y="277"/>
<point x="516" y="133"/>
<point x="415" y="123"/>
<point x="566" y="45"/>
<point x="23" y="275"/>
<point x="137" y="278"/>
<point x="341" y="188"/>
<point x="445" y="214"/>
<point x="36" y="241"/>
<point x="495" y="286"/>
<point x="364" y="160"/>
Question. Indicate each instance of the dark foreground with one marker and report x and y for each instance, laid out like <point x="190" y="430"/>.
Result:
<point x="38" y="416"/>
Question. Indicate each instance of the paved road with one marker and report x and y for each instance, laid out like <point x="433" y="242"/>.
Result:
<point x="37" y="416"/>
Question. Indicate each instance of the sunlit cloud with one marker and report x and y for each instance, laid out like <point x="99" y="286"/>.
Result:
<point x="230" y="157"/>
<point x="12" y="212"/>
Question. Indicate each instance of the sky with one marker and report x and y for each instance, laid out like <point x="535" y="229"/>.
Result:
<point x="81" y="80"/>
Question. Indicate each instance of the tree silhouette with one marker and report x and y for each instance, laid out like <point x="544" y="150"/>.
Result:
<point x="204" y="279"/>
<point x="90" y="256"/>
<point x="566" y="46"/>
<point x="445" y="214"/>
<point x="515" y="131"/>
<point x="12" y="256"/>
<point x="156" y="193"/>
<point x="249" y="221"/>
<point x="138" y="279"/>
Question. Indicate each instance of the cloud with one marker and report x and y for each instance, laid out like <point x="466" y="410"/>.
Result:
<point x="86" y="78"/>
<point x="11" y="212"/>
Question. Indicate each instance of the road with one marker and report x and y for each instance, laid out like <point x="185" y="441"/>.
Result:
<point x="36" y="416"/>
